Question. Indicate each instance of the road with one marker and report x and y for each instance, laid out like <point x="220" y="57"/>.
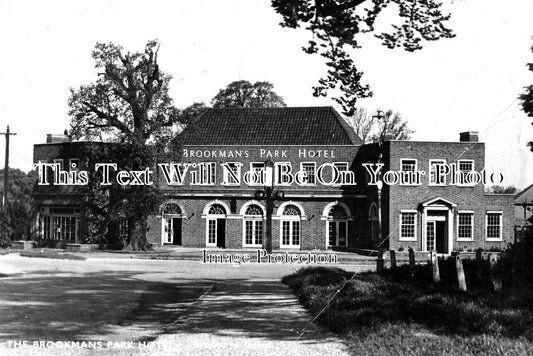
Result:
<point x="186" y="306"/>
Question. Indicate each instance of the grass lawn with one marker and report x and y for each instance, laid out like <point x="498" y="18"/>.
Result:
<point x="50" y="253"/>
<point x="392" y="313"/>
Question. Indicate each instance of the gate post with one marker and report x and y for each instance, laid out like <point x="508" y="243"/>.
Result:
<point x="460" y="273"/>
<point x="435" y="266"/>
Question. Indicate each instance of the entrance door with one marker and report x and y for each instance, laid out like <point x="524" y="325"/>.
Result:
<point x="172" y="231"/>
<point x="176" y="231"/>
<point x="436" y="235"/>
<point x="337" y="233"/>
<point x="221" y="233"/>
<point x="441" y="237"/>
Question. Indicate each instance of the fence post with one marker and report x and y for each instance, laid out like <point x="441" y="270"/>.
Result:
<point x="461" y="280"/>
<point x="412" y="262"/>
<point x="494" y="280"/>
<point x="381" y="260"/>
<point x="392" y="255"/>
<point x="435" y="266"/>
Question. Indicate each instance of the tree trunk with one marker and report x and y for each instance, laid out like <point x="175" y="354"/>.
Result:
<point x="137" y="234"/>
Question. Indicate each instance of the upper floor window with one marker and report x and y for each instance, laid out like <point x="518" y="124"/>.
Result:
<point x="464" y="167"/>
<point x="341" y="167"/>
<point x="408" y="167"/>
<point x="232" y="173"/>
<point x="257" y="168"/>
<point x="434" y="177"/>
<point x="310" y="169"/>
<point x="59" y="161"/>
<point x="74" y="164"/>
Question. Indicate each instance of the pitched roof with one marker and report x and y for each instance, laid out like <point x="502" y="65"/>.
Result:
<point x="270" y="126"/>
<point x="520" y="194"/>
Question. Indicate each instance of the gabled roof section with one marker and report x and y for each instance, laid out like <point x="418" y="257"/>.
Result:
<point x="270" y="126"/>
<point x="438" y="201"/>
<point x="522" y="193"/>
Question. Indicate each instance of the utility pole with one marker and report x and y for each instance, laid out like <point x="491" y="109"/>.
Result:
<point x="6" y="168"/>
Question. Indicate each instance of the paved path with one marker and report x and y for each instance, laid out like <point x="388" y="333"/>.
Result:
<point x="247" y="318"/>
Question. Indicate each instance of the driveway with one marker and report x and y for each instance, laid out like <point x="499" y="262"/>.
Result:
<point x="173" y="307"/>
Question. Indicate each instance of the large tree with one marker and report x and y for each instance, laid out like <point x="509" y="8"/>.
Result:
<point x="527" y="100"/>
<point x="336" y="25"/>
<point x="17" y="215"/>
<point x="374" y="128"/>
<point x="129" y="105"/>
<point x="244" y="94"/>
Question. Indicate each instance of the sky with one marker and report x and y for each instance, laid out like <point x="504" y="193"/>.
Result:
<point x="468" y="83"/>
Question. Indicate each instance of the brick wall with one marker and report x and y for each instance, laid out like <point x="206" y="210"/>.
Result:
<point x="468" y="198"/>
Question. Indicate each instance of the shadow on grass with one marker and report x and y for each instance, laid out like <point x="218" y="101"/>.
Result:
<point x="102" y="305"/>
<point x="395" y="298"/>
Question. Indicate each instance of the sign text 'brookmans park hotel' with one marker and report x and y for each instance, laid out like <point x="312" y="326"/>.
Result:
<point x="432" y="196"/>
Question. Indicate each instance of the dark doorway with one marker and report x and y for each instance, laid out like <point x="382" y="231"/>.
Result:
<point x="441" y="237"/>
<point x="176" y="231"/>
<point x="221" y="232"/>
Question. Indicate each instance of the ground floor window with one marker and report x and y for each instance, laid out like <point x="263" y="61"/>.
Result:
<point x="171" y="220"/>
<point x="60" y="224"/>
<point x="465" y="225"/>
<point x="253" y="226"/>
<point x="494" y="225"/>
<point x="337" y="226"/>
<point x="338" y="233"/>
<point x="290" y="226"/>
<point x="408" y="225"/>
<point x="216" y="226"/>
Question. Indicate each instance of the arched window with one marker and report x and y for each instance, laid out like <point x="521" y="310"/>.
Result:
<point x="171" y="224"/>
<point x="253" y="226"/>
<point x="337" y="226"/>
<point x="171" y="209"/>
<point x="290" y="226"/>
<point x="217" y="209"/>
<point x="216" y="225"/>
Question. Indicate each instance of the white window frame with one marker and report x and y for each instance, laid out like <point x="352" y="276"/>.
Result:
<point x="402" y="238"/>
<point x="459" y="170"/>
<point x="215" y="218"/>
<point x="335" y="220"/>
<point x="487" y="226"/>
<point x="313" y="164"/>
<point x="338" y="165"/>
<point x="254" y="219"/>
<point x="401" y="170"/>
<point x="291" y="219"/>
<point x="252" y="169"/>
<point x="226" y="176"/>
<point x="431" y="163"/>
<point x="471" y="213"/>
<point x="167" y="217"/>
<point x="277" y="166"/>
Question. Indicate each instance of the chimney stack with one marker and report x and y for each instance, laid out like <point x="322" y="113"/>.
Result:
<point x="469" y="136"/>
<point x="57" y="138"/>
